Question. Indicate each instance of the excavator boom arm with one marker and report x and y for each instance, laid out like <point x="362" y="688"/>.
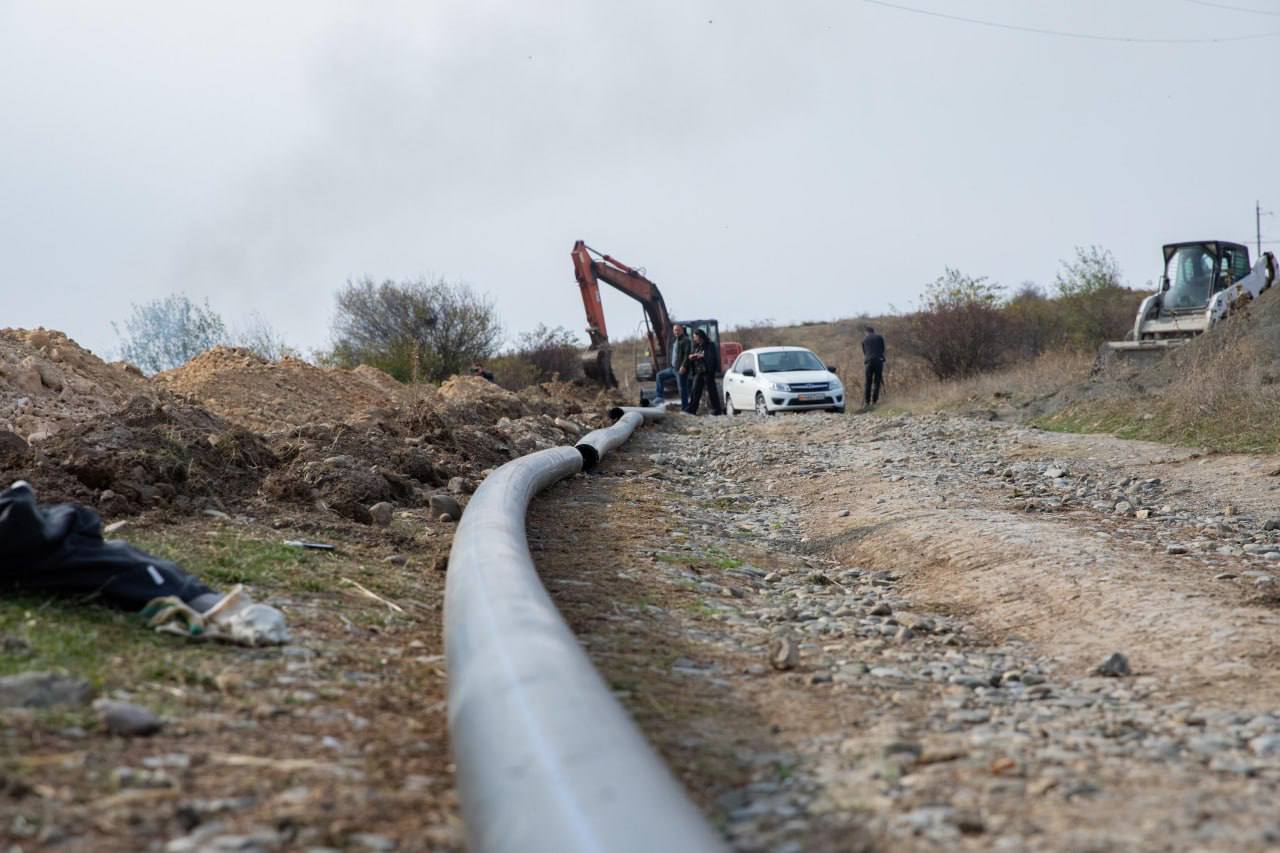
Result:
<point x="589" y="286"/>
<point x="590" y="272"/>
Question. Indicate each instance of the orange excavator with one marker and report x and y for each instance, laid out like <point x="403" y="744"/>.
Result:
<point x="590" y="268"/>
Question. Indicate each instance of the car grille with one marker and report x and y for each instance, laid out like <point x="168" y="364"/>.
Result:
<point x="825" y="401"/>
<point x="808" y="387"/>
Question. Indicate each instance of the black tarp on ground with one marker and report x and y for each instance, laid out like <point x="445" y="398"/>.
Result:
<point x="59" y="549"/>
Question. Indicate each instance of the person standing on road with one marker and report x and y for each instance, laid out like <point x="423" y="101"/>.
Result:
<point x="873" y="364"/>
<point x="679" y="369"/>
<point x="704" y="363"/>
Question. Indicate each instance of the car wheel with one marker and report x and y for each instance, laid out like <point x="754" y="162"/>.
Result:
<point x="762" y="408"/>
<point x="836" y="410"/>
<point x="728" y="405"/>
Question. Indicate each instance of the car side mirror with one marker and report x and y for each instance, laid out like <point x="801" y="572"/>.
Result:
<point x="748" y="372"/>
<point x="1164" y="283"/>
<point x="831" y="369"/>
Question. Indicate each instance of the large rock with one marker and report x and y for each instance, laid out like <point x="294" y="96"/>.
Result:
<point x="784" y="653"/>
<point x="127" y="719"/>
<point x="43" y="690"/>
<point x="446" y="505"/>
<point x="11" y="444"/>
<point x="381" y="513"/>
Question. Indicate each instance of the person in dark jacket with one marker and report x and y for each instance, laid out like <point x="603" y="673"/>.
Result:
<point x="678" y="372"/>
<point x="873" y="364"/>
<point x="704" y="364"/>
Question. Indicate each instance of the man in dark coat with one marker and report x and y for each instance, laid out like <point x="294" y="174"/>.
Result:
<point x="704" y="364"/>
<point x="873" y="364"/>
<point x="714" y="370"/>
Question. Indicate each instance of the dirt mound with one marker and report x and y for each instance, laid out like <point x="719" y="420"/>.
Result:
<point x="447" y="438"/>
<point x="570" y="398"/>
<point x="232" y="431"/>
<point x="149" y="454"/>
<point x="49" y="383"/>
<point x="248" y="390"/>
<point x="482" y="425"/>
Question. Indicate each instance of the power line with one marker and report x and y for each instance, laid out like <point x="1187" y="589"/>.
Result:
<point x="1047" y="32"/>
<point x="1231" y="8"/>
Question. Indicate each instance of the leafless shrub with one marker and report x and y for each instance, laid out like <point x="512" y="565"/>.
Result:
<point x="959" y="329"/>
<point x="413" y="330"/>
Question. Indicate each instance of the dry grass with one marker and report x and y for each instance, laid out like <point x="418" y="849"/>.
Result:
<point x="1019" y="387"/>
<point x="1221" y="392"/>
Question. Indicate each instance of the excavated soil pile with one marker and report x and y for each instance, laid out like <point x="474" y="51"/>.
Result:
<point x="230" y="431"/>
<point x="48" y="383"/>
<point x="152" y="453"/>
<point x="257" y="394"/>
<point x="447" y="438"/>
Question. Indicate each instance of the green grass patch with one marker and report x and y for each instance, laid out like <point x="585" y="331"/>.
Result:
<point x="111" y="648"/>
<point x="712" y="559"/>
<point x="227" y="557"/>
<point x="699" y="608"/>
<point x="106" y="647"/>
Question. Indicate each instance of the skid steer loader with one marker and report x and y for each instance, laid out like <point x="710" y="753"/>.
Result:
<point x="1202" y="283"/>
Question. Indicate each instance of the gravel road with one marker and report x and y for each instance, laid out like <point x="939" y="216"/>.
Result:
<point x="898" y="633"/>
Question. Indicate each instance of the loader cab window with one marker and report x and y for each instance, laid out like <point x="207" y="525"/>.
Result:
<point x="1191" y="275"/>
<point x="1235" y="263"/>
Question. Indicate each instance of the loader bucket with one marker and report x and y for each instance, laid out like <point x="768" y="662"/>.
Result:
<point x="1130" y="354"/>
<point x="597" y="366"/>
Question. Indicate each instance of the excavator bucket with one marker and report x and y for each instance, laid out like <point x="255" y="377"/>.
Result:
<point x="597" y="365"/>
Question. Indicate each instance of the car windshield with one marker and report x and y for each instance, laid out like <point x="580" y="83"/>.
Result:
<point x="780" y="362"/>
<point x="1190" y="278"/>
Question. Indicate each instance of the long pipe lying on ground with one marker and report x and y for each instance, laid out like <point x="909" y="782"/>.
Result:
<point x="547" y="759"/>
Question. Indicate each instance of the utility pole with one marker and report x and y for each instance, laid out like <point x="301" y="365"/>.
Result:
<point x="1258" y="213"/>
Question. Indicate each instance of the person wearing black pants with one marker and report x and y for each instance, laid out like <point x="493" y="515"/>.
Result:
<point x="704" y="363"/>
<point x="873" y="362"/>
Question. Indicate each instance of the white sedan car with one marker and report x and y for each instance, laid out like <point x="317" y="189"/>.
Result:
<point x="781" y="379"/>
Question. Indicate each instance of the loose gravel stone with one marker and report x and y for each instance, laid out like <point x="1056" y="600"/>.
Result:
<point x="442" y="505"/>
<point x="127" y="719"/>
<point x="1116" y="666"/>
<point x="43" y="690"/>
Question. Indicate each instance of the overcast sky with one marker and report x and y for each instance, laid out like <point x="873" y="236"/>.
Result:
<point x="807" y="159"/>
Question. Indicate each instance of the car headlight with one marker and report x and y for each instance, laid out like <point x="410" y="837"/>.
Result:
<point x="780" y="386"/>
